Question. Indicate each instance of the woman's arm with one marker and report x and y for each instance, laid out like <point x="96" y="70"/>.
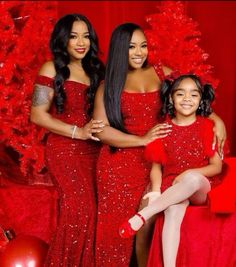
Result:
<point x="117" y="138"/>
<point x="219" y="133"/>
<point x="166" y="70"/>
<point x="41" y="102"/>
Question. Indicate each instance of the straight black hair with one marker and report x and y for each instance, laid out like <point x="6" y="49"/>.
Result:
<point x="116" y="72"/>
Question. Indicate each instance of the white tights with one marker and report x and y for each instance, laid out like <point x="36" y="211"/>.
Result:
<point x="174" y="215"/>
<point x="191" y="187"/>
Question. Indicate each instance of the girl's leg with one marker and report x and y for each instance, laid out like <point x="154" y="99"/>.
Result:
<point x="174" y="215"/>
<point x="192" y="184"/>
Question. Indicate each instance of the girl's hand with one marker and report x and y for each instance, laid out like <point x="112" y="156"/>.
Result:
<point x="158" y="131"/>
<point x="219" y="137"/>
<point x="93" y="126"/>
<point x="152" y="196"/>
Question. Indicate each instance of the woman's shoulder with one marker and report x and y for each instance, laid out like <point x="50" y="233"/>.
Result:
<point x="162" y="71"/>
<point x="47" y="69"/>
<point x="166" y="70"/>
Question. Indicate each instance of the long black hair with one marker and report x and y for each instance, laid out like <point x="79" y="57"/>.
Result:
<point x="116" y="72"/>
<point x="91" y="64"/>
<point x="168" y="87"/>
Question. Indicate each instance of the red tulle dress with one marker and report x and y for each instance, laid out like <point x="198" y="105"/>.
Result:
<point x="186" y="147"/>
<point x="122" y="177"/>
<point x="72" y="164"/>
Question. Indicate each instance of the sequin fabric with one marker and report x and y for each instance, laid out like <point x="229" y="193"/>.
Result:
<point x="72" y="164"/>
<point x="186" y="147"/>
<point x="122" y="177"/>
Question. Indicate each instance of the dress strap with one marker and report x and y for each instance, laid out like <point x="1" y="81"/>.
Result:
<point x="44" y="80"/>
<point x="159" y="71"/>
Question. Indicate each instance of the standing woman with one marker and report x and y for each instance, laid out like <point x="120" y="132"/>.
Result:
<point x="128" y="103"/>
<point x="62" y="103"/>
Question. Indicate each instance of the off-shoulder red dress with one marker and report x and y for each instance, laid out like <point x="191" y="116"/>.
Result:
<point x="122" y="177"/>
<point x="72" y="164"/>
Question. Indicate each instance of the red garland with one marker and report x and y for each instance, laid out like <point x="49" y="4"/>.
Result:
<point x="25" y="27"/>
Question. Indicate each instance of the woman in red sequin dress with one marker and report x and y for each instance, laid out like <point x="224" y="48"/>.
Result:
<point x="70" y="81"/>
<point x="131" y="119"/>
<point x="184" y="163"/>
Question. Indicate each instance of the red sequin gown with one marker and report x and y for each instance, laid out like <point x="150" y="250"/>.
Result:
<point x="122" y="177"/>
<point x="186" y="147"/>
<point x="72" y="164"/>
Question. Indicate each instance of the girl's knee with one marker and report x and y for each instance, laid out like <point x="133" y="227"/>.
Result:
<point x="196" y="181"/>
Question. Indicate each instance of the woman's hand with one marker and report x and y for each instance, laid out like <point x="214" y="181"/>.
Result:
<point x="93" y="126"/>
<point x="219" y="136"/>
<point x="158" y="131"/>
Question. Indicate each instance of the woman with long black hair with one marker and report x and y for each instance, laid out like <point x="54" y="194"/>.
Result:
<point x="128" y="103"/>
<point x="62" y="103"/>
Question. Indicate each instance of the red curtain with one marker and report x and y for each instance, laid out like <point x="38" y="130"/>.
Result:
<point x="216" y="19"/>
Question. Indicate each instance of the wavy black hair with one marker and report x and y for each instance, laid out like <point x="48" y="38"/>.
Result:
<point x="168" y="88"/>
<point x="116" y="72"/>
<point x="91" y="64"/>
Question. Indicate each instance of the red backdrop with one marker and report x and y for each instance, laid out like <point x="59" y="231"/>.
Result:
<point x="217" y="20"/>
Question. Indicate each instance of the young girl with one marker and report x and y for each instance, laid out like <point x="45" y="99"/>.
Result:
<point x="184" y="163"/>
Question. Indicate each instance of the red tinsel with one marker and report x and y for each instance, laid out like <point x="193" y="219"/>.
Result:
<point x="173" y="39"/>
<point x="25" y="27"/>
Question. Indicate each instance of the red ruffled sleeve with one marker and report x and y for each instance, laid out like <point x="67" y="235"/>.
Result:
<point x="155" y="152"/>
<point x="44" y="80"/>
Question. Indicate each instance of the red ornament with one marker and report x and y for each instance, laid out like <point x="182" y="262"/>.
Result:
<point x="24" y="251"/>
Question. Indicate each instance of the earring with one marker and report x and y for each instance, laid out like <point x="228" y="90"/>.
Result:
<point x="201" y="106"/>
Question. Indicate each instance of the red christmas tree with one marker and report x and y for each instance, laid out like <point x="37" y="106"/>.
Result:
<point x="25" y="27"/>
<point x="174" y="41"/>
